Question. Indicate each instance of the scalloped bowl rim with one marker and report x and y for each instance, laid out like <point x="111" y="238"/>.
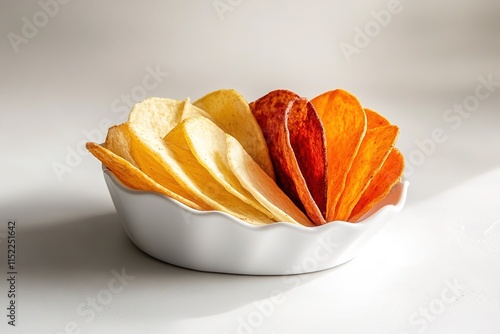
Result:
<point x="367" y="222"/>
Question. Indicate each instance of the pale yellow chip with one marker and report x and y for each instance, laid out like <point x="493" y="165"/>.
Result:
<point x="198" y="146"/>
<point x="149" y="121"/>
<point x="231" y="112"/>
<point x="118" y="142"/>
<point x="263" y="188"/>
<point x="161" y="114"/>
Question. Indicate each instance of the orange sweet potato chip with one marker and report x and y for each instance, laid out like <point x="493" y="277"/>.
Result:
<point x="374" y="119"/>
<point x="384" y="179"/>
<point x="373" y="151"/>
<point x="296" y="141"/>
<point x="344" y="121"/>
<point x="388" y="176"/>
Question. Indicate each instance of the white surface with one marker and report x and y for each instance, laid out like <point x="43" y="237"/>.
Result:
<point x="71" y="75"/>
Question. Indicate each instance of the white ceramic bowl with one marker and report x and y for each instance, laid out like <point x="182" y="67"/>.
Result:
<point x="217" y="242"/>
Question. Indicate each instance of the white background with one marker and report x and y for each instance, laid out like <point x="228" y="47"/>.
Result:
<point x="74" y="72"/>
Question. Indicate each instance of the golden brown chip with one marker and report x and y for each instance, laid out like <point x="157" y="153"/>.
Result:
<point x="373" y="151"/>
<point x="133" y="178"/>
<point x="285" y="118"/>
<point x="344" y="121"/>
<point x="386" y="178"/>
<point x="231" y="112"/>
